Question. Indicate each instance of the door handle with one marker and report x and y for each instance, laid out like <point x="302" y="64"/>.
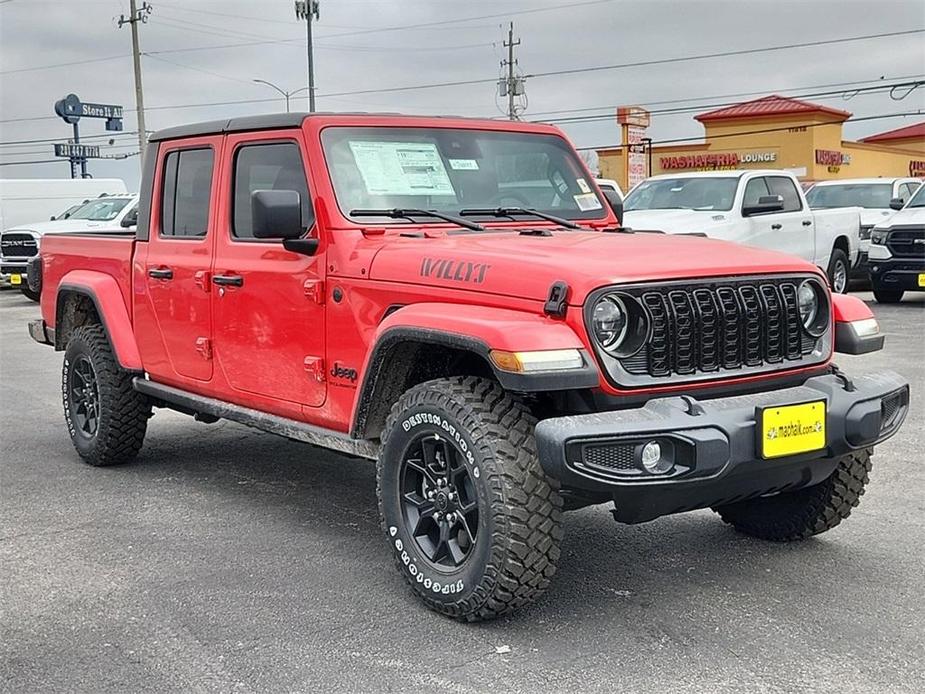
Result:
<point x="776" y="226"/>
<point x="228" y="280"/>
<point x="807" y="222"/>
<point x="161" y="273"/>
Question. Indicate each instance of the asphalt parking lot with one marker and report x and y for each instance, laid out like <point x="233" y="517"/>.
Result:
<point x="226" y="559"/>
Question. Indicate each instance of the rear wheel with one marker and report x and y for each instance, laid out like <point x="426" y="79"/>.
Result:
<point x="838" y="271"/>
<point x="106" y="417"/>
<point x="473" y="522"/>
<point x="805" y="512"/>
<point x="888" y="296"/>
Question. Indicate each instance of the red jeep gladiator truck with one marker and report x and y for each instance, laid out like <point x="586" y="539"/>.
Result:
<point x="456" y="300"/>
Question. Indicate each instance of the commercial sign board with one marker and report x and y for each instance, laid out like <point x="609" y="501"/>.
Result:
<point x="72" y="109"/>
<point x="831" y="157"/>
<point x="67" y="149"/>
<point x="715" y="160"/>
<point x="916" y="168"/>
<point x="633" y="115"/>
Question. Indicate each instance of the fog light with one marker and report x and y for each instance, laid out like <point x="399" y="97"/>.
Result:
<point x="651" y="458"/>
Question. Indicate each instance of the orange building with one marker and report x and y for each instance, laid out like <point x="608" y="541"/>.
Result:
<point x="777" y="132"/>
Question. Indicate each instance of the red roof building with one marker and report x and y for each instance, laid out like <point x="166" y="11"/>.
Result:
<point x="897" y="136"/>
<point x="771" y="106"/>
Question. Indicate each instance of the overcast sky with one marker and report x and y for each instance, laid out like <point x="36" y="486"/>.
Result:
<point x="359" y="48"/>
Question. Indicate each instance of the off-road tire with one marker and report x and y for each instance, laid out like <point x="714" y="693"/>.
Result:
<point x="30" y="294"/>
<point x="806" y="512"/>
<point x="888" y="296"/>
<point x="123" y="412"/>
<point x="520" y="511"/>
<point x="839" y="259"/>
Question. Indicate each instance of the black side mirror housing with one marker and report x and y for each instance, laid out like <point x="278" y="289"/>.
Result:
<point x="615" y="201"/>
<point x="276" y="214"/>
<point x="130" y="219"/>
<point x="765" y="204"/>
<point x="897" y="203"/>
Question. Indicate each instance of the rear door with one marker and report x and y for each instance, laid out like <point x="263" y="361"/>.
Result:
<point x="175" y="323"/>
<point x="268" y="302"/>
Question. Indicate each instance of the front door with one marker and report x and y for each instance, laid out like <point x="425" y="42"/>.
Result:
<point x="791" y="229"/>
<point x="174" y="320"/>
<point x="268" y="302"/>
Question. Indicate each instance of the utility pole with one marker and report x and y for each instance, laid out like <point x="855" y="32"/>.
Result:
<point x="136" y="16"/>
<point x="308" y="10"/>
<point x="511" y="86"/>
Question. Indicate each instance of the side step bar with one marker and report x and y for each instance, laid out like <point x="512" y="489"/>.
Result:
<point x="190" y="403"/>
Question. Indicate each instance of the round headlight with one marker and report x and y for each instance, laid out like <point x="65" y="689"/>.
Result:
<point x="808" y="301"/>
<point x="609" y="321"/>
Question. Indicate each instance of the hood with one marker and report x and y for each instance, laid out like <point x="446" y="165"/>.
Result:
<point x="908" y="215"/>
<point x="677" y="221"/>
<point x="509" y="264"/>
<point x="873" y="216"/>
<point x="41" y="228"/>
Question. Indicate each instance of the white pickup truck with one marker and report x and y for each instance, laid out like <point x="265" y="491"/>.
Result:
<point x="757" y="208"/>
<point x="21" y="242"/>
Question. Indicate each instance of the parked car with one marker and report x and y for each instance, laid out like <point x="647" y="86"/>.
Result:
<point x="351" y="281"/>
<point x="897" y="252"/>
<point x="21" y="243"/>
<point x="878" y="198"/>
<point x="766" y="209"/>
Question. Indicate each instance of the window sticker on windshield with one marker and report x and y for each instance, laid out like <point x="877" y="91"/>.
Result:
<point x="401" y="168"/>
<point x="583" y="184"/>
<point x="464" y="164"/>
<point x="560" y="183"/>
<point x="587" y="202"/>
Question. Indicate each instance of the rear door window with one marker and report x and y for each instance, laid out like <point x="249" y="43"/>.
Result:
<point x="186" y="192"/>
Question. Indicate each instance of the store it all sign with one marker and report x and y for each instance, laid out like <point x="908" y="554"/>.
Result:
<point x="716" y="160"/>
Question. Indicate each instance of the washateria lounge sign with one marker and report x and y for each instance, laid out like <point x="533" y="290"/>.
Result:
<point x="717" y="160"/>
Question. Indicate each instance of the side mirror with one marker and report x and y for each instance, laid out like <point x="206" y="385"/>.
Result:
<point x="615" y="201"/>
<point x="52" y="218"/>
<point x="130" y="219"/>
<point x="765" y="204"/>
<point x="276" y="214"/>
<point x="896" y="204"/>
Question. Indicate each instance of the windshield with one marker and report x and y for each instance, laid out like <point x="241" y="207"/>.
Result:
<point x="100" y="210"/>
<point x="450" y="170"/>
<point x="869" y="195"/>
<point x="917" y="200"/>
<point x="683" y="194"/>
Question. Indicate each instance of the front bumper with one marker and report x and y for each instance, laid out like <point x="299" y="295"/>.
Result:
<point x="897" y="273"/>
<point x="714" y="445"/>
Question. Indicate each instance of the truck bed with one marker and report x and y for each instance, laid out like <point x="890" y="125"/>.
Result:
<point x="108" y="253"/>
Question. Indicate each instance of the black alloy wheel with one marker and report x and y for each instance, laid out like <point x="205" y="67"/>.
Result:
<point x="439" y="501"/>
<point x="85" y="397"/>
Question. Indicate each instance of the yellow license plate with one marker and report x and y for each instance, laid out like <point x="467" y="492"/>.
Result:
<point x="792" y="429"/>
<point x="922" y="279"/>
<point x="15" y="279"/>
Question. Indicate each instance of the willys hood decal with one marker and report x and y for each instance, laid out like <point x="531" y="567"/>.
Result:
<point x="524" y="266"/>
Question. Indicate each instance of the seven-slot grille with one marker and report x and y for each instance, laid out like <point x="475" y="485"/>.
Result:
<point x="906" y="242"/>
<point x="613" y="456"/>
<point x="17" y="245"/>
<point x="727" y="325"/>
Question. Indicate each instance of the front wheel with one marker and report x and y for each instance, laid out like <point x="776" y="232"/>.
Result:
<point x="838" y="271"/>
<point x="888" y="296"/>
<point x="473" y="522"/>
<point x="106" y="417"/>
<point x="806" y="512"/>
<point x="30" y="294"/>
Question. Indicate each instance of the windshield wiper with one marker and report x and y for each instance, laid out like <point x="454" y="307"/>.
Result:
<point x="409" y="213"/>
<point x="515" y="211"/>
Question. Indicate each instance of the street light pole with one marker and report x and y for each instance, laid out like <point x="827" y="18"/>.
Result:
<point x="282" y="91"/>
<point x="308" y="10"/>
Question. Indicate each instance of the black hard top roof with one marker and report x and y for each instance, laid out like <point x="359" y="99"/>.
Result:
<point x="265" y="122"/>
